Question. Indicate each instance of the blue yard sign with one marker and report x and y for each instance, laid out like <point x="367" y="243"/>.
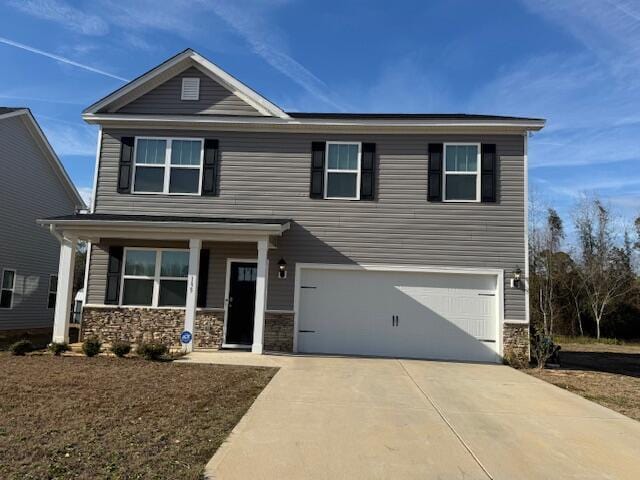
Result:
<point x="185" y="337"/>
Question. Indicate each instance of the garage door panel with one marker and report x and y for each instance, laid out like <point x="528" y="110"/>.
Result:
<point x="439" y="315"/>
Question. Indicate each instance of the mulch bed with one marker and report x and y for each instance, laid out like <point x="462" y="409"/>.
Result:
<point x="89" y="418"/>
<point x="605" y="374"/>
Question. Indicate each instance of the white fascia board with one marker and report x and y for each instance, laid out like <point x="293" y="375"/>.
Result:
<point x="107" y="225"/>
<point x="155" y="121"/>
<point x="264" y="106"/>
<point x="40" y="138"/>
<point x="15" y="113"/>
<point x="238" y="88"/>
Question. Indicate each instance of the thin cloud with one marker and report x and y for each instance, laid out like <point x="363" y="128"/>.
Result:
<point x="39" y="99"/>
<point x="53" y="56"/>
<point x="63" y="14"/>
<point x="86" y="193"/>
<point x="251" y="27"/>
<point x="71" y="140"/>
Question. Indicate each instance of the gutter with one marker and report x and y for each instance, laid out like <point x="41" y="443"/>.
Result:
<point x="273" y="227"/>
<point x="301" y="123"/>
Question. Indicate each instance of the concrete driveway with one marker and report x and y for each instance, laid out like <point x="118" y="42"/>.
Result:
<point x="359" y="418"/>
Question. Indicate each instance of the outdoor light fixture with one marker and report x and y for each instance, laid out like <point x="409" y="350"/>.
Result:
<point x="515" y="281"/>
<point x="282" y="268"/>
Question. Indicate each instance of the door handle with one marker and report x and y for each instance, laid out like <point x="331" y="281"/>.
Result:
<point x="394" y="320"/>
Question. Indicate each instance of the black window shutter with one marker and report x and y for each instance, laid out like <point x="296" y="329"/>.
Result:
<point x="488" y="173"/>
<point x="434" y="192"/>
<point x="317" y="170"/>
<point x="211" y="168"/>
<point x="114" y="271"/>
<point x="203" y="278"/>
<point x="368" y="172"/>
<point x="126" y="164"/>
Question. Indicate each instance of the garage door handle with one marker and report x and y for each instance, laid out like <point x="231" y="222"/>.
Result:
<point x="306" y="331"/>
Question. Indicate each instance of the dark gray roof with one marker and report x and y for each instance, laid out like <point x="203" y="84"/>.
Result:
<point x="107" y="217"/>
<point x="409" y="116"/>
<point x="4" y="110"/>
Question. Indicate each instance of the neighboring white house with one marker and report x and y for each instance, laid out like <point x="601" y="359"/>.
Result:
<point x="33" y="184"/>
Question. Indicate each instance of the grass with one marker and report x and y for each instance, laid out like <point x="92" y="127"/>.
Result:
<point x="608" y="374"/>
<point x="562" y="339"/>
<point x="81" y="418"/>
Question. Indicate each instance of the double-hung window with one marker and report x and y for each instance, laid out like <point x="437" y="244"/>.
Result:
<point x="53" y="291"/>
<point x="462" y="172"/>
<point x="168" y="165"/>
<point x="342" y="175"/>
<point x="7" y="288"/>
<point x="155" y="277"/>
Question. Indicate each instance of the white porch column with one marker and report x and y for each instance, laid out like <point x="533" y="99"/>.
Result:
<point x="192" y="289"/>
<point x="64" y="294"/>
<point x="261" y="301"/>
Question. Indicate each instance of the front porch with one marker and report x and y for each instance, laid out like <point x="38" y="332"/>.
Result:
<point x="155" y="278"/>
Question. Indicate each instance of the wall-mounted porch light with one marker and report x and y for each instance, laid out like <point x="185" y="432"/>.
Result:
<point x="282" y="268"/>
<point x="516" y="279"/>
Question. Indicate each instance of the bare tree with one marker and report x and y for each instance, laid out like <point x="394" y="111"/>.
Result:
<point x="605" y="268"/>
<point x="545" y="240"/>
<point x="573" y="288"/>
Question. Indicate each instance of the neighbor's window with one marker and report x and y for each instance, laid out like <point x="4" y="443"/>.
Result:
<point x="462" y="172"/>
<point x="155" y="278"/>
<point x="342" y="179"/>
<point x="53" y="290"/>
<point x="7" y="288"/>
<point x="167" y="165"/>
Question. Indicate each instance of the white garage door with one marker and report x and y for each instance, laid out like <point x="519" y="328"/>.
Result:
<point x="398" y="314"/>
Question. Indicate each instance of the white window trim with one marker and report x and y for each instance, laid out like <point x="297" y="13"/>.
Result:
<point x="327" y="170"/>
<point x="12" y="289"/>
<point x="167" y="166"/>
<point x="156" y="277"/>
<point x="49" y="291"/>
<point x="476" y="173"/>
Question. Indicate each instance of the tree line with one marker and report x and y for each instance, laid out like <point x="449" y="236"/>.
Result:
<point x="587" y="285"/>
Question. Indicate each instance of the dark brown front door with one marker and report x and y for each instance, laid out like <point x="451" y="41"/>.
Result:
<point x="241" y="306"/>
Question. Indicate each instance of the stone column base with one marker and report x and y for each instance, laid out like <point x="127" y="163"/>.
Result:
<point x="278" y="331"/>
<point x="515" y="341"/>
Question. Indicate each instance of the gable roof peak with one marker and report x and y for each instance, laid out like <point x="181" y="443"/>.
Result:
<point x="135" y="88"/>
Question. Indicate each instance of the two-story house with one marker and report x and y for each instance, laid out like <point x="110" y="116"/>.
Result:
<point x="219" y="214"/>
<point x="33" y="184"/>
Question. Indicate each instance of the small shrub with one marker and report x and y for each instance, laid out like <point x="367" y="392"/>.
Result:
<point x="21" y="347"/>
<point x="58" y="348"/>
<point x="543" y="349"/>
<point x="91" y="347"/>
<point x="514" y="360"/>
<point x="120" y="348"/>
<point x="152" y="351"/>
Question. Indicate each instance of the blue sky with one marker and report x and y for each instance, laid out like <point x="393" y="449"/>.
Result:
<point x="573" y="62"/>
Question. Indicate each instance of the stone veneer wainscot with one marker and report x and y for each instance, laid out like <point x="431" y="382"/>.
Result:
<point x="165" y="325"/>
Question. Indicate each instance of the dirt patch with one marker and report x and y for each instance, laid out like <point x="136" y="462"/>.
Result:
<point x="81" y="418"/>
<point x="606" y="374"/>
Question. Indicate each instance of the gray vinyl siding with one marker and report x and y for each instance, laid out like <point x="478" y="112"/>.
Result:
<point x="214" y="99"/>
<point x="29" y="189"/>
<point x="267" y="175"/>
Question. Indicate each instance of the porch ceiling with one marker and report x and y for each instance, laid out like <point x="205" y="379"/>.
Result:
<point x="93" y="226"/>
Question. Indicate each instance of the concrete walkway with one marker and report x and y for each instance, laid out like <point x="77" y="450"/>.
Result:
<point x="359" y="418"/>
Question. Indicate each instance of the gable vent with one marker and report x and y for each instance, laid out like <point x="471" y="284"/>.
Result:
<point x="190" y="88"/>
